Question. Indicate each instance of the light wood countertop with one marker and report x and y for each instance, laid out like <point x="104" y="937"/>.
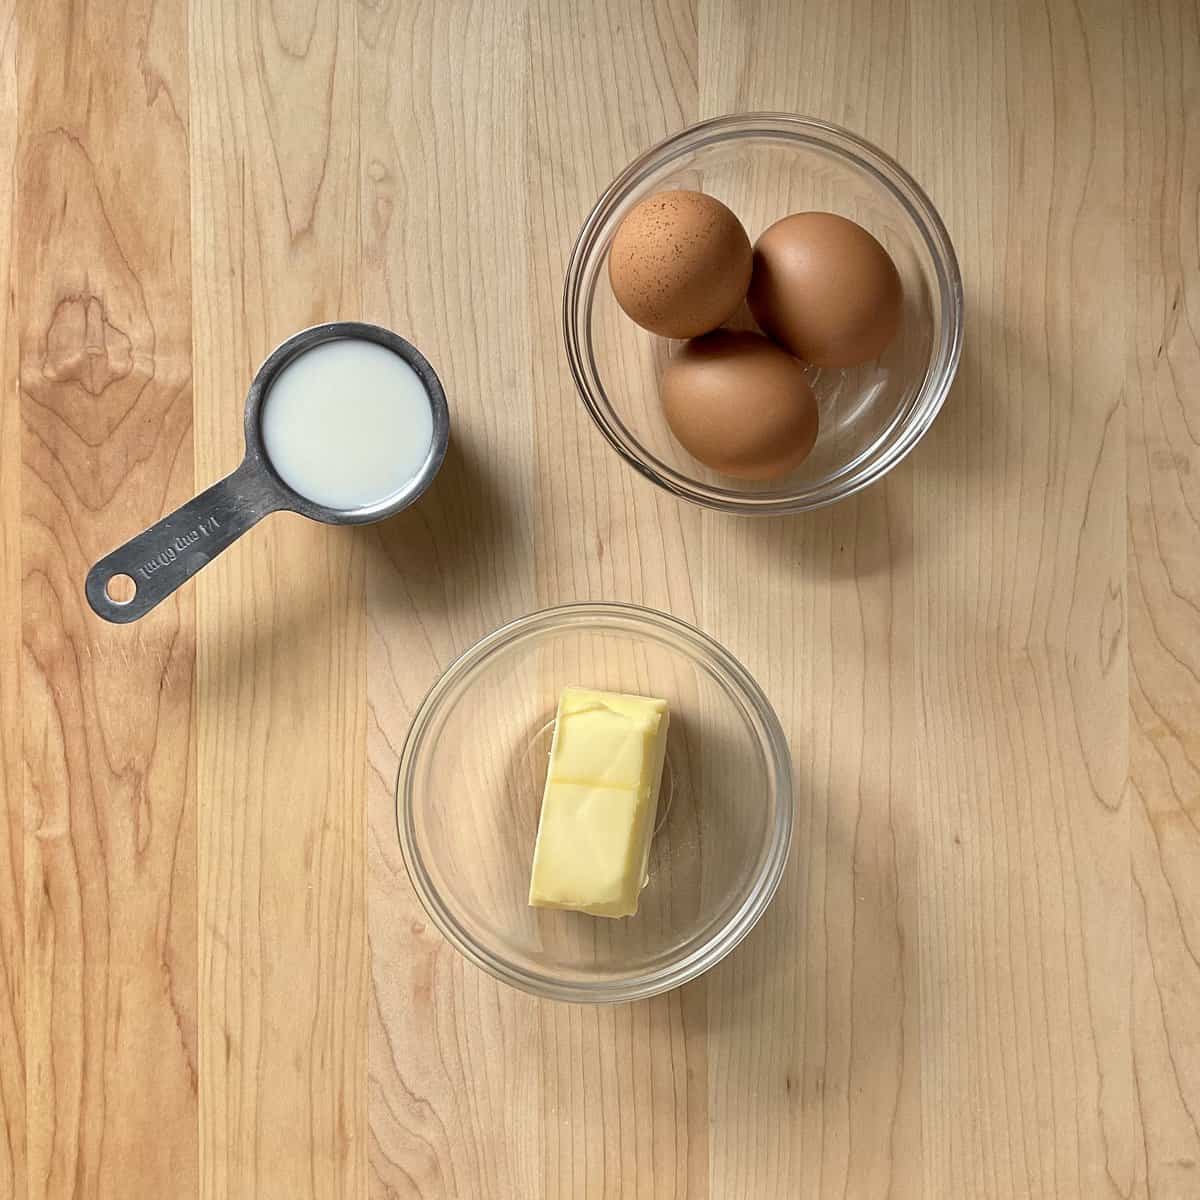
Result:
<point x="980" y="976"/>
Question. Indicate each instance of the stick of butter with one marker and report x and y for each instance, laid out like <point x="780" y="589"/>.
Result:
<point x="598" y="808"/>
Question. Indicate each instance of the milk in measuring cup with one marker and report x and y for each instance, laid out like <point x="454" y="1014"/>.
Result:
<point x="347" y="424"/>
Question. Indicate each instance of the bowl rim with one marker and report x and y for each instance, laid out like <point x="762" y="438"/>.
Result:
<point x="720" y="941"/>
<point x="944" y="360"/>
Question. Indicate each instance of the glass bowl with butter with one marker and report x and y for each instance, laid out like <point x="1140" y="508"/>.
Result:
<point x="473" y="779"/>
<point x="765" y="166"/>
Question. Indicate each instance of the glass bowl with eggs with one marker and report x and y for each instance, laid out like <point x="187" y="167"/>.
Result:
<point x="763" y="313"/>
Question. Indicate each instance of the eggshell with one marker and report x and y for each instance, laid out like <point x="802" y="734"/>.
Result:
<point x="740" y="404"/>
<point x="825" y="289"/>
<point x="680" y="263"/>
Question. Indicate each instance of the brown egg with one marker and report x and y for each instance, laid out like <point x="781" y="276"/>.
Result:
<point x="825" y="289"/>
<point x="740" y="404"/>
<point x="680" y="263"/>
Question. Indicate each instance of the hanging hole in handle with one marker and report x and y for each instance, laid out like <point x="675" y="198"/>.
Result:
<point x="120" y="589"/>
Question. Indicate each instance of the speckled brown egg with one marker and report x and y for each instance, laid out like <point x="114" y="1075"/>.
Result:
<point x="680" y="263"/>
<point x="825" y="289"/>
<point x="740" y="404"/>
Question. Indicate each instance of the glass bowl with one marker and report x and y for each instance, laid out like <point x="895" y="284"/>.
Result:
<point x="469" y="795"/>
<point x="765" y="166"/>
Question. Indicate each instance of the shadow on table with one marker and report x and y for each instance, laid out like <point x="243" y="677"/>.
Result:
<point x="446" y="552"/>
<point x="976" y="433"/>
<point x="820" y="1003"/>
<point x="862" y="537"/>
<point x="452" y="547"/>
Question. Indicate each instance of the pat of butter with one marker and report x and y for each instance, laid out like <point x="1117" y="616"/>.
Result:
<point x="598" y="808"/>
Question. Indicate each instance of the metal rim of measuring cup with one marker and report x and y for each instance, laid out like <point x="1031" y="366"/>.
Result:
<point x="161" y="558"/>
<point x="307" y="339"/>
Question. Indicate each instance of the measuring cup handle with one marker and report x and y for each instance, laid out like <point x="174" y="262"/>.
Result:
<point x="170" y="552"/>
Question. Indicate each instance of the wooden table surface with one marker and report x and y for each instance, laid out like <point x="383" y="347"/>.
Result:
<point x="981" y="975"/>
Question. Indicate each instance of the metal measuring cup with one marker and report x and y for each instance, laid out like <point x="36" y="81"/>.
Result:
<point x="170" y="552"/>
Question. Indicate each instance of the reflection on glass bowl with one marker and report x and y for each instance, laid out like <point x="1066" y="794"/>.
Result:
<point x="469" y="794"/>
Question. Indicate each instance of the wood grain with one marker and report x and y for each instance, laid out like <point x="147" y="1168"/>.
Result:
<point x="1163" y="454"/>
<point x="979" y="976"/>
<point x="1022" y="734"/>
<point x="445" y="180"/>
<point x="819" y="1093"/>
<point x="12" y="822"/>
<point x="625" y="1103"/>
<point x="104" y="327"/>
<point x="280" y="690"/>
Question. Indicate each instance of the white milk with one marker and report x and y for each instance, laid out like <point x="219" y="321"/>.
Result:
<point x="347" y="424"/>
